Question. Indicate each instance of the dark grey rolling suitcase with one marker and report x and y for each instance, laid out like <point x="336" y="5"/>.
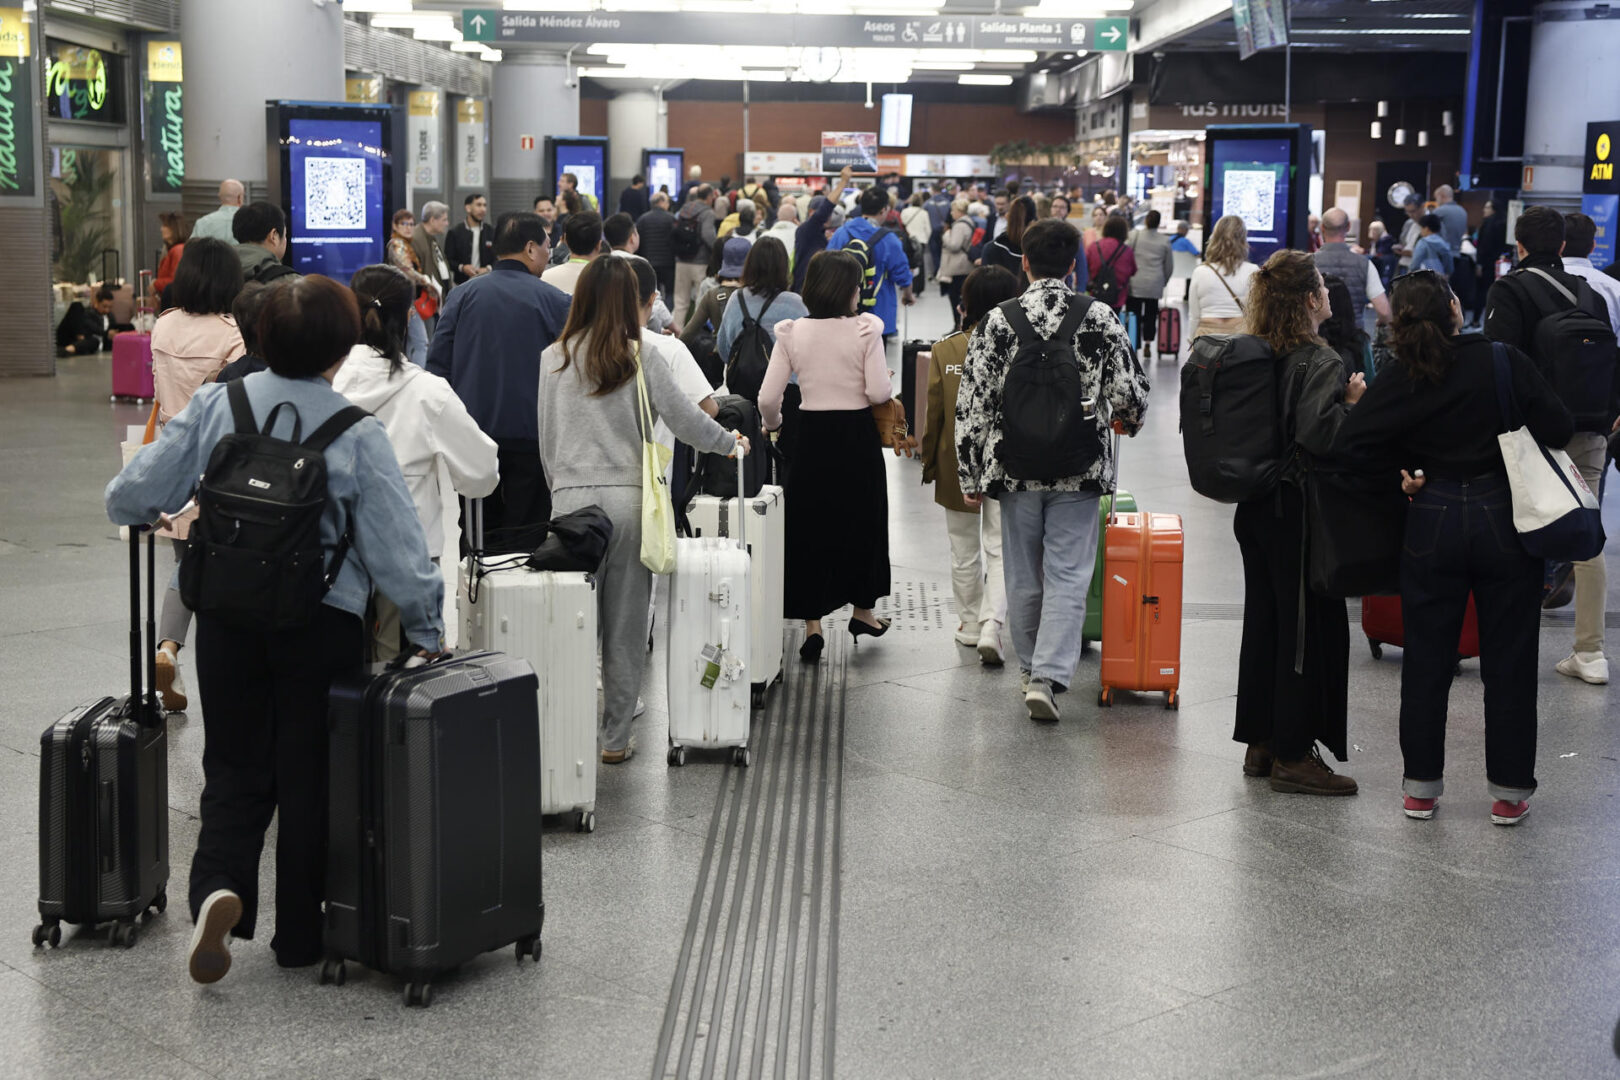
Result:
<point x="434" y="850"/>
<point x="104" y="797"/>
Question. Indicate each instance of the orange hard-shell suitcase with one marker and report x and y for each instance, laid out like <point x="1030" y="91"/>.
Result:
<point x="1141" y="630"/>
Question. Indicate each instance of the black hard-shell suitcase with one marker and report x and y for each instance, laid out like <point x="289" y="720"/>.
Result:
<point x="434" y="841"/>
<point x="104" y="797"/>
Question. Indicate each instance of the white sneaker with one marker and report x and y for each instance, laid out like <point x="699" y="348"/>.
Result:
<point x="967" y="634"/>
<point x="641" y="707"/>
<point x="210" y="955"/>
<point x="1038" y="700"/>
<point x="1023" y="682"/>
<point x="1586" y="666"/>
<point x="990" y="643"/>
<point x="171" y="687"/>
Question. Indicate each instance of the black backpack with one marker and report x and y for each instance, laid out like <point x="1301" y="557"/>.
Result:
<point x="1105" y="285"/>
<point x="750" y="352"/>
<point x="1049" y="426"/>
<point x="687" y="237"/>
<point x="1574" y="348"/>
<point x="716" y="474"/>
<point x="1232" y="423"/>
<point x="254" y="559"/>
<point x="576" y="541"/>
<point x="907" y="245"/>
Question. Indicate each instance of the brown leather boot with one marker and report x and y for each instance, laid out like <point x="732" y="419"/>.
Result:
<point x="1257" y="760"/>
<point x="1309" y="775"/>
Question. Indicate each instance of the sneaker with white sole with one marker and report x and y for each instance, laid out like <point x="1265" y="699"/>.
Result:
<point x="1421" y="809"/>
<point x="641" y="707"/>
<point x="1023" y="683"/>
<point x="1508" y="813"/>
<point x="1038" y="700"/>
<point x="990" y="643"/>
<point x="210" y="955"/>
<point x="967" y="634"/>
<point x="171" y="687"/>
<point x="1589" y="667"/>
<point x="619" y="757"/>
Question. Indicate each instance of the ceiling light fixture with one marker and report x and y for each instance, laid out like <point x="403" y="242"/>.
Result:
<point x="1383" y="109"/>
<point x="1423" y="138"/>
<point x="984" y="80"/>
<point x="365" y="7"/>
<point x="1377" y="131"/>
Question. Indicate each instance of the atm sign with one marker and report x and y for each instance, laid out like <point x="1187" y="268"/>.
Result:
<point x="1600" y="144"/>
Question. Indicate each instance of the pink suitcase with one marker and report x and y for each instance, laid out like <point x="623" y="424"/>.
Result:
<point x="132" y="367"/>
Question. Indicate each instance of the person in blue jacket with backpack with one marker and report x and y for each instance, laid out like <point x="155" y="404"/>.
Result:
<point x="883" y="260"/>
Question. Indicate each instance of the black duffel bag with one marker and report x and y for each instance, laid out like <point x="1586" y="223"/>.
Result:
<point x="1356" y="525"/>
<point x="576" y="541"/>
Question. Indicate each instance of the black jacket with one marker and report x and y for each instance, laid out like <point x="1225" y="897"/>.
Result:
<point x="634" y="201"/>
<point x="656" y="227"/>
<point x="458" y="248"/>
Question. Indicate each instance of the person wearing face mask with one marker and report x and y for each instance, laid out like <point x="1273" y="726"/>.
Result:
<point x="1282" y="713"/>
<point x="488" y="343"/>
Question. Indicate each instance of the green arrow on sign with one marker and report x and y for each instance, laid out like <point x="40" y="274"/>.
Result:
<point x="478" y="24"/>
<point x="1111" y="35"/>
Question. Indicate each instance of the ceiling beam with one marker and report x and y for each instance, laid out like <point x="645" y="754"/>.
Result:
<point x="1165" y="20"/>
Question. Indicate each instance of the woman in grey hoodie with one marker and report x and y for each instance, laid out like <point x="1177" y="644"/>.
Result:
<point x="591" y="443"/>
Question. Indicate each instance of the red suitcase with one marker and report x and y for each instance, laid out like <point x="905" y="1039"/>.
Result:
<point x="1169" y="331"/>
<point x="1382" y="623"/>
<point x="1141" y="608"/>
<point x="132" y="367"/>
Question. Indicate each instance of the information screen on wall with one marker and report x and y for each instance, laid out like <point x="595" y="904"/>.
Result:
<point x="586" y="159"/>
<point x="857" y="149"/>
<point x="894" y="129"/>
<point x="83" y="83"/>
<point x="335" y="171"/>
<point x="165" y="116"/>
<point x="663" y="170"/>
<point x="1255" y="173"/>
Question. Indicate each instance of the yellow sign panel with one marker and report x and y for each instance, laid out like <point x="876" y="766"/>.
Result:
<point x="14" y="39"/>
<point x="1603" y="147"/>
<point x="424" y="103"/>
<point x="163" y="61"/>
<point x="363" y="89"/>
<point x="470" y="111"/>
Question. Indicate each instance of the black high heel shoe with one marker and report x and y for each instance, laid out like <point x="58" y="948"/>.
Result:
<point x="810" y="651"/>
<point x="859" y="629"/>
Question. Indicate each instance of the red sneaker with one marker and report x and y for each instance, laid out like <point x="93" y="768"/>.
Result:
<point x="1508" y="813"/>
<point x="1422" y="809"/>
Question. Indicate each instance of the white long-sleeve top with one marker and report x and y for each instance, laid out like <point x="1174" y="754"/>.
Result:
<point x="426" y="423"/>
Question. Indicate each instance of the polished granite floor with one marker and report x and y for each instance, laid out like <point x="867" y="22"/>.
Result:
<point x="1106" y="897"/>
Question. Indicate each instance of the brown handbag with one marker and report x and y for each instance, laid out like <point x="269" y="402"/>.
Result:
<point x="893" y="431"/>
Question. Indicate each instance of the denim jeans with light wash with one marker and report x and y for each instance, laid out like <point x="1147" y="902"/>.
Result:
<point x="416" y="340"/>
<point x="1048" y="552"/>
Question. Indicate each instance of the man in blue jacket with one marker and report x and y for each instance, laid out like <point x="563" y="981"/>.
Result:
<point x="488" y="345"/>
<point x="890" y="272"/>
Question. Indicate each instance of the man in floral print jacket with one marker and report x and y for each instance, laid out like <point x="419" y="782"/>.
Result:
<point x="1049" y="529"/>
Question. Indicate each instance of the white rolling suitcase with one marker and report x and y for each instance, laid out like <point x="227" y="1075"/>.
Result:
<point x="707" y="634"/>
<point x="547" y="617"/>
<point x="710" y="516"/>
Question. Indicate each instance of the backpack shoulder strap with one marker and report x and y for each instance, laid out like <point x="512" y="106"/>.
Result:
<point x="1013" y="311"/>
<point x="241" y="408"/>
<point x="1070" y="326"/>
<point x="335" y="425"/>
<point x="1109" y="262"/>
<point x="1557" y="285"/>
<point x="747" y="317"/>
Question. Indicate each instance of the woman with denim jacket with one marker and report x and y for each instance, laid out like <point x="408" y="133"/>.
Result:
<point x="1434" y="414"/>
<point x="264" y="691"/>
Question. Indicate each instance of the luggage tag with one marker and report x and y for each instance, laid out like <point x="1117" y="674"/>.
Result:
<point x="711" y="655"/>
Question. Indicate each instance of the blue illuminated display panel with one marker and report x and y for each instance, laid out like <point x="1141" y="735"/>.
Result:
<point x="340" y="221"/>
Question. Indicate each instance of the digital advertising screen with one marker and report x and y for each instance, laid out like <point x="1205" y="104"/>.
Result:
<point x="1255" y="174"/>
<point x="664" y="170"/>
<point x="333" y="172"/>
<point x="587" y="161"/>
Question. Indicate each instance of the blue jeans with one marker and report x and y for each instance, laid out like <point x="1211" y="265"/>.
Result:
<point x="1048" y="552"/>
<point x="1460" y="538"/>
<point x="416" y="340"/>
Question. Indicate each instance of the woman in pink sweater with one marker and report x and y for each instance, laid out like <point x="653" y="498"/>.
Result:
<point x="836" y="488"/>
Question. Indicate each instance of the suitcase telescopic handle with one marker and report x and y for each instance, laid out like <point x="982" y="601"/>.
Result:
<point x="742" y="500"/>
<point x="1113" y="491"/>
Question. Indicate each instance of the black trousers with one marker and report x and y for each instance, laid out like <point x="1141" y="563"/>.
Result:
<point x="264" y="721"/>
<point x="1147" y="315"/>
<point x="518" y="511"/>
<point x="1460" y="539"/>
<point x="953" y="293"/>
<point x="1275" y="707"/>
<point x="666" y="284"/>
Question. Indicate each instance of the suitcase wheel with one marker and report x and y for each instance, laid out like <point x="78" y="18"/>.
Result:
<point x="1105" y="697"/>
<point x="418" y="994"/>
<point x="159" y="904"/>
<point x="1172" y="701"/>
<point x="677" y="756"/>
<point x="741" y="757"/>
<point x="529" y="946"/>
<point x="335" y="972"/>
<point x="48" y="932"/>
<point x="123" y="934"/>
<point x="757" y="697"/>
<point x="585" y="821"/>
<point x="1376" y="648"/>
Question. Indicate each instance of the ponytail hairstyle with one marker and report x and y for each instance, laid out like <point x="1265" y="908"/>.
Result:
<point x="603" y="332"/>
<point x="385" y="295"/>
<point x="1423" y="325"/>
<point x="1278" y="308"/>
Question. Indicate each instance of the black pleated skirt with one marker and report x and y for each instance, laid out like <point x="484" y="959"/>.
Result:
<point x="837" y="515"/>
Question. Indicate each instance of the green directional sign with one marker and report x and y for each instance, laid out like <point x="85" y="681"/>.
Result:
<point x="478" y="24"/>
<point x="1110" y="35"/>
